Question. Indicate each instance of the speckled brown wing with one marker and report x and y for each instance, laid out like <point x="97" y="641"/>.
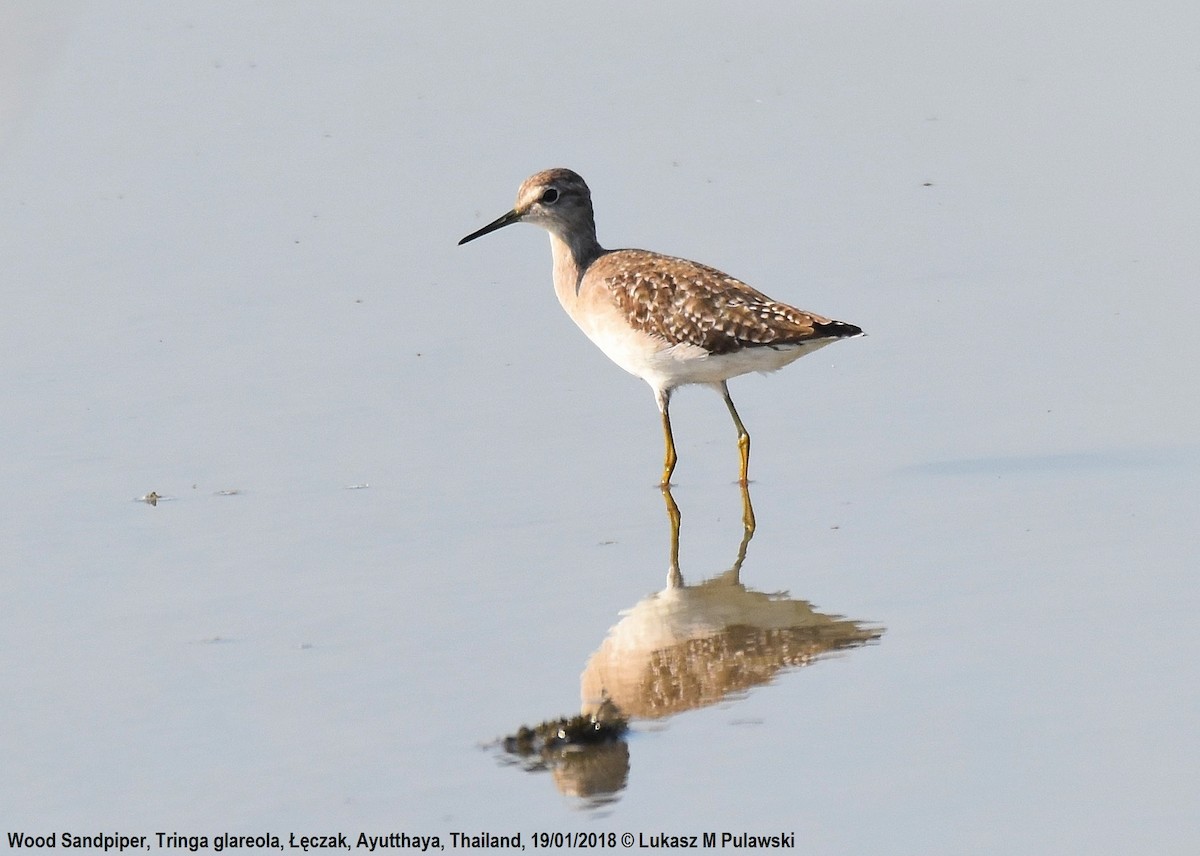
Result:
<point x="683" y="301"/>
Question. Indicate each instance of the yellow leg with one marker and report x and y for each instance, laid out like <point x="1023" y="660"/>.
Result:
<point x="664" y="401"/>
<point x="747" y="534"/>
<point x="748" y="521"/>
<point x="743" y="438"/>
<point x="674" y="578"/>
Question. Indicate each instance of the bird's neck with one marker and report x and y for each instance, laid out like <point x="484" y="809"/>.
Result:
<point x="572" y="255"/>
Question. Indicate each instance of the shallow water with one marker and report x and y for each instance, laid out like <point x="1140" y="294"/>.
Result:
<point x="406" y="507"/>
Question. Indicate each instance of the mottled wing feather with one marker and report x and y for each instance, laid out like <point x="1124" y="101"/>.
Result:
<point x="684" y="302"/>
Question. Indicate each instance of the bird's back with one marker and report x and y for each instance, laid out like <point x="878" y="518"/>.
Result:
<point x="682" y="302"/>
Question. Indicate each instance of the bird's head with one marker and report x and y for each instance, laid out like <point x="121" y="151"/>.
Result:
<point x="558" y="200"/>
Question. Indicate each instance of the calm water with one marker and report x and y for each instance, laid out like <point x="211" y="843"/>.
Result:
<point x="408" y="508"/>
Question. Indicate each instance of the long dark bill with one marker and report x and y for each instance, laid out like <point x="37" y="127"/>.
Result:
<point x="508" y="219"/>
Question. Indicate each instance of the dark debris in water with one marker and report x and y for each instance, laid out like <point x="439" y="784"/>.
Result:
<point x="561" y="734"/>
<point x="605" y="726"/>
<point x="586" y="755"/>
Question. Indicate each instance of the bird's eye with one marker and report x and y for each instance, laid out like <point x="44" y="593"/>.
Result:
<point x="549" y="196"/>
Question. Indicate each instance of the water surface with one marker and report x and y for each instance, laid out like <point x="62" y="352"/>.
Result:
<point x="407" y="507"/>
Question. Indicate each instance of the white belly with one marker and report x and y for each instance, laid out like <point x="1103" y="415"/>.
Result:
<point x="666" y="367"/>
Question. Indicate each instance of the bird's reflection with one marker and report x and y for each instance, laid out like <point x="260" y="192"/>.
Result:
<point x="690" y="646"/>
<point x="685" y="647"/>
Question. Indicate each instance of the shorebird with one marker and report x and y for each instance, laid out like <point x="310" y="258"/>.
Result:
<point x="667" y="320"/>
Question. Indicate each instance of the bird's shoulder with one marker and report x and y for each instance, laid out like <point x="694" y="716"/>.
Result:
<point x="685" y="302"/>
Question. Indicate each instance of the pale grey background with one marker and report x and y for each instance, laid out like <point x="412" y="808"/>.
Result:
<point x="228" y="261"/>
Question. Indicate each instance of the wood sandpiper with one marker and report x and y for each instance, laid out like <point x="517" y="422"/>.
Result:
<point x="667" y="320"/>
